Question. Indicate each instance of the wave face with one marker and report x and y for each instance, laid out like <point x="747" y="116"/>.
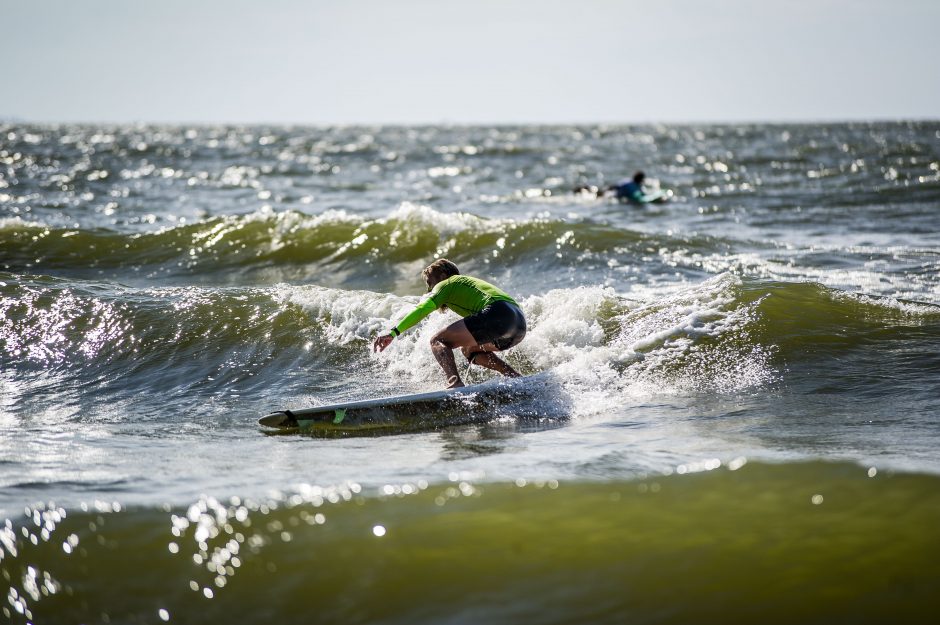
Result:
<point x="724" y="334"/>
<point x="162" y="287"/>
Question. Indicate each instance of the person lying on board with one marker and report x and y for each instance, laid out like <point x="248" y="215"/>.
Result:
<point x="631" y="190"/>
<point x="492" y="321"/>
<point x="627" y="191"/>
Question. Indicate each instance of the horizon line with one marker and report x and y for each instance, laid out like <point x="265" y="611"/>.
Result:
<point x="15" y="119"/>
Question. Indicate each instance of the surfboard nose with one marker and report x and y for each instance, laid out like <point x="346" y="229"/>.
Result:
<point x="279" y="419"/>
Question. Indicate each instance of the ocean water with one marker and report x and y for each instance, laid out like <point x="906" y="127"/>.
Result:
<point x="736" y="417"/>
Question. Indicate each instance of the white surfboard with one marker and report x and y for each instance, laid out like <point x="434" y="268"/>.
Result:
<point x="468" y="404"/>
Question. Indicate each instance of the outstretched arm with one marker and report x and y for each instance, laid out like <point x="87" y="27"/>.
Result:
<point x="423" y="309"/>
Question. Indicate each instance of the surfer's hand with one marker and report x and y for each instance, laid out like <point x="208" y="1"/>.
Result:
<point x="382" y="342"/>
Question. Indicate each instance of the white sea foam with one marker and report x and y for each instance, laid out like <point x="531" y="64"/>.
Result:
<point x="445" y="223"/>
<point x="697" y="339"/>
<point x="357" y="317"/>
<point x="872" y="277"/>
<point x="282" y="226"/>
<point x="15" y="223"/>
<point x="345" y="316"/>
<point x="603" y="347"/>
<point x="914" y="309"/>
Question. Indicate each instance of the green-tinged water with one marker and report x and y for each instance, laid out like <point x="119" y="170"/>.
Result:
<point x="797" y="543"/>
<point x="162" y="287"/>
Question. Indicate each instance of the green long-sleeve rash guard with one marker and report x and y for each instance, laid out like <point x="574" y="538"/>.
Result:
<point x="462" y="294"/>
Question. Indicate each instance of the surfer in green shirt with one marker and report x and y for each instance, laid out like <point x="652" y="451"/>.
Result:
<point x="492" y="321"/>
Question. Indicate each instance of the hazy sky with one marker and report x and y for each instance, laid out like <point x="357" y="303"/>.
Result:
<point x="414" y="61"/>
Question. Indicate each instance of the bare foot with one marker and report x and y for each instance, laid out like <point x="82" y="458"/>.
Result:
<point x="454" y="382"/>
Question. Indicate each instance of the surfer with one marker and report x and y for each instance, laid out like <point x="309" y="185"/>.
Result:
<point x="492" y="321"/>
<point x="627" y="191"/>
<point x="631" y="190"/>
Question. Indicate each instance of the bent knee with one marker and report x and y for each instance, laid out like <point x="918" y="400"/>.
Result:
<point x="473" y="352"/>
<point x="439" y="340"/>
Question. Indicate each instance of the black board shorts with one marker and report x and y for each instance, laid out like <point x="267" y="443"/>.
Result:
<point x="500" y="323"/>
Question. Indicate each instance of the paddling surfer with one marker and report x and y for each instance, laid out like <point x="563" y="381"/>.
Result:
<point x="492" y="321"/>
<point x="631" y="190"/>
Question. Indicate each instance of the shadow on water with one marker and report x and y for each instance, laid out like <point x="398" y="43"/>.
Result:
<point x="496" y="437"/>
